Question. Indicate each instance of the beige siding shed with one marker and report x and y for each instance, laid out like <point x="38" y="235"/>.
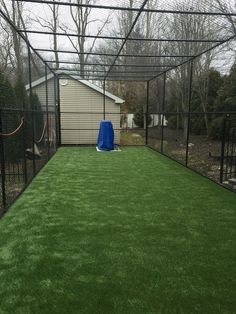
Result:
<point x="39" y="88"/>
<point x="82" y="110"/>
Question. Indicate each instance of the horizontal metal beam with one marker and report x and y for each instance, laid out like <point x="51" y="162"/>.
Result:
<point x="76" y="63"/>
<point x="118" y="80"/>
<point x="111" y="54"/>
<point x="123" y="65"/>
<point x="115" y="77"/>
<point x="101" y="78"/>
<point x="146" y="78"/>
<point x="120" y="38"/>
<point x="113" y="80"/>
<point x="110" y="74"/>
<point x="117" y="8"/>
<point x="115" y="72"/>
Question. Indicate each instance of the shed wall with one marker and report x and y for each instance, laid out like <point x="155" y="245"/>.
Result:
<point x="81" y="113"/>
<point x="40" y="90"/>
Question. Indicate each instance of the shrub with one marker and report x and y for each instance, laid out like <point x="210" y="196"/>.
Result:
<point x="216" y="128"/>
<point x="197" y="125"/>
<point x="172" y="122"/>
<point x="139" y="117"/>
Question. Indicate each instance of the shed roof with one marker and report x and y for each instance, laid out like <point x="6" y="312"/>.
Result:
<point x="98" y="89"/>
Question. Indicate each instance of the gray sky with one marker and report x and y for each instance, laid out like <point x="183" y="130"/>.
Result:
<point x="222" y="61"/>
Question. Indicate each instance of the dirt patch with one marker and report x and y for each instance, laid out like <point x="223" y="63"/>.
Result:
<point x="203" y="153"/>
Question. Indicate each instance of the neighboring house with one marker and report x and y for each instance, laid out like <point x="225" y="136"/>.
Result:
<point x="81" y="108"/>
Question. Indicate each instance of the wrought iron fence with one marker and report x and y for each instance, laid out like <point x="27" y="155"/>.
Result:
<point x="228" y="153"/>
<point x="27" y="142"/>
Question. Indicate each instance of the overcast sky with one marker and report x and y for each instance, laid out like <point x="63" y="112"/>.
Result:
<point x="223" y="61"/>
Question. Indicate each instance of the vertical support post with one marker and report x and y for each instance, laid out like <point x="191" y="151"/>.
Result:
<point x="163" y="110"/>
<point x="227" y="151"/>
<point x="147" y="112"/>
<point x="222" y="151"/>
<point x="55" y="108"/>
<point x="47" y="118"/>
<point x="58" y="112"/>
<point x="104" y="99"/>
<point x="32" y="110"/>
<point x="231" y="157"/>
<point x="24" y="147"/>
<point x="2" y="161"/>
<point x="189" y="108"/>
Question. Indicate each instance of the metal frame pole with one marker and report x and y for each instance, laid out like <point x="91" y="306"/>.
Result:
<point x="2" y="161"/>
<point x="108" y="55"/>
<point x="222" y="151"/>
<point x="128" y="9"/>
<point x="231" y="157"/>
<point x="189" y="108"/>
<point x="55" y="108"/>
<point x="58" y="111"/>
<point x="163" y="110"/>
<point x="47" y="118"/>
<point x="147" y="112"/>
<point x="104" y="99"/>
<point x="31" y="107"/>
<point x="24" y="152"/>
<point x="123" y="39"/>
<point x="127" y="36"/>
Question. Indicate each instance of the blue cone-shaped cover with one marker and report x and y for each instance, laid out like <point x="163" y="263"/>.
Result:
<point x="106" y="135"/>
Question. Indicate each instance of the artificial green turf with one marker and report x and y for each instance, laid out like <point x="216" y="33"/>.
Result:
<point x="127" y="232"/>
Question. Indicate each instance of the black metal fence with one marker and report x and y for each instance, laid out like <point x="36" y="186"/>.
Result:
<point x="228" y="153"/>
<point x="27" y="142"/>
<point x="200" y="152"/>
<point x="187" y="132"/>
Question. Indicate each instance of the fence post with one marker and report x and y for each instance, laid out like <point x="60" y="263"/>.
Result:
<point x="163" y="110"/>
<point x="2" y="161"/>
<point x="189" y="108"/>
<point x="32" y="110"/>
<point x="58" y="112"/>
<point x="24" y="147"/>
<point x="222" y="152"/>
<point x="55" y="108"/>
<point x="47" y="119"/>
<point x="147" y="112"/>
<point x="104" y="99"/>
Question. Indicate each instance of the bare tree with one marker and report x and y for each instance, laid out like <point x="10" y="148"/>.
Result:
<point x="149" y="25"/>
<point x="12" y="44"/>
<point x="81" y="20"/>
<point x="53" y="26"/>
<point x="191" y="27"/>
<point x="6" y="48"/>
<point x="13" y="12"/>
<point x="225" y="6"/>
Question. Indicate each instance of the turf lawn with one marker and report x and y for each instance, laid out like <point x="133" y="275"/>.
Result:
<point x="127" y="232"/>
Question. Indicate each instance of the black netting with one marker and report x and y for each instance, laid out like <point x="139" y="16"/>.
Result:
<point x="27" y="139"/>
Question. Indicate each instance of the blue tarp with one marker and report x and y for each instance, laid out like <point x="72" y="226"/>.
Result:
<point x="106" y="136"/>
